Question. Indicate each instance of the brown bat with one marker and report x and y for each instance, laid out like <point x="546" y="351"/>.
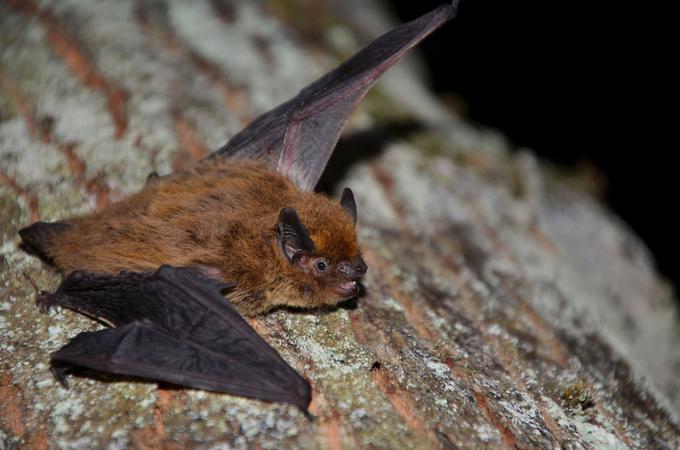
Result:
<point x="244" y="215"/>
<point x="236" y="220"/>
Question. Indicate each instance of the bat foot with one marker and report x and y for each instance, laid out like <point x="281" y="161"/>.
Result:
<point x="45" y="302"/>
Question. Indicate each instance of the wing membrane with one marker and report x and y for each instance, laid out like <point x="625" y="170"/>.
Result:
<point x="173" y="325"/>
<point x="297" y="137"/>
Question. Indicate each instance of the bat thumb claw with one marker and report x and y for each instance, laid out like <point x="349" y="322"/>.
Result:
<point x="44" y="301"/>
<point x="59" y="373"/>
<point x="307" y="414"/>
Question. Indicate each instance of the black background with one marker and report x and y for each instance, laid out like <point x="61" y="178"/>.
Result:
<point x="574" y="82"/>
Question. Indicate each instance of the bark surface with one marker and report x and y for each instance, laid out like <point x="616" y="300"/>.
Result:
<point x="504" y="306"/>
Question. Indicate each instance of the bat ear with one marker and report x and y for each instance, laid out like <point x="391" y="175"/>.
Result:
<point x="293" y="236"/>
<point x="347" y="202"/>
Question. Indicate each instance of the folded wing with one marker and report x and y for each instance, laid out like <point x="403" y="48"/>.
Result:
<point x="173" y="325"/>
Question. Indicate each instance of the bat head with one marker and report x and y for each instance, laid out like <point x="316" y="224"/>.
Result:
<point x="320" y="245"/>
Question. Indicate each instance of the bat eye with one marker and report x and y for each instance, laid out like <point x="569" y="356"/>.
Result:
<point x="322" y="266"/>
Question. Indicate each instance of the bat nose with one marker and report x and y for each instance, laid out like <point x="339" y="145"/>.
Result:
<point x="353" y="271"/>
<point x="360" y="268"/>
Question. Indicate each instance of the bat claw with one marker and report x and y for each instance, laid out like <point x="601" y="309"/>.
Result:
<point x="309" y="416"/>
<point x="45" y="302"/>
<point x="152" y="178"/>
<point x="60" y="374"/>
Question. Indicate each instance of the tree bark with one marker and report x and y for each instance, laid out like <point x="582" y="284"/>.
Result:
<point x="504" y="305"/>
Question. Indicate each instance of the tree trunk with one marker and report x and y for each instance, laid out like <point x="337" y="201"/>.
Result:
<point x="504" y="305"/>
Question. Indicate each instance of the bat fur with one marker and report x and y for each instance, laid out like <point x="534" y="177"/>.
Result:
<point x="222" y="216"/>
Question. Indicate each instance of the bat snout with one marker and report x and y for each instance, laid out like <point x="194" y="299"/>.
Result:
<point x="360" y="268"/>
<point x="353" y="271"/>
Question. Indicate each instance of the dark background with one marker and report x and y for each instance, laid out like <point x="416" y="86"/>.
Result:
<point x="574" y="82"/>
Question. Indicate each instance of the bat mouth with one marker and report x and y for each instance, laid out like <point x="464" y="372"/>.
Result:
<point x="347" y="289"/>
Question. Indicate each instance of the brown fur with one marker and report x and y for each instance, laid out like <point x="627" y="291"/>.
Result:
<point x="222" y="215"/>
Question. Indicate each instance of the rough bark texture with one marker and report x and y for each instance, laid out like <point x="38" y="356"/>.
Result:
<point x="504" y="306"/>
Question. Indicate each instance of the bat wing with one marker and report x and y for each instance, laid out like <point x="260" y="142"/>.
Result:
<point x="297" y="137"/>
<point x="173" y="325"/>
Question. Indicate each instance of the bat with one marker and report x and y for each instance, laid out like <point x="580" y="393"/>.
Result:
<point x="235" y="220"/>
<point x="246" y="215"/>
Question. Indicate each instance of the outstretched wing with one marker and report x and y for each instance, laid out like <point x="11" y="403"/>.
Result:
<point x="298" y="137"/>
<point x="173" y="325"/>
